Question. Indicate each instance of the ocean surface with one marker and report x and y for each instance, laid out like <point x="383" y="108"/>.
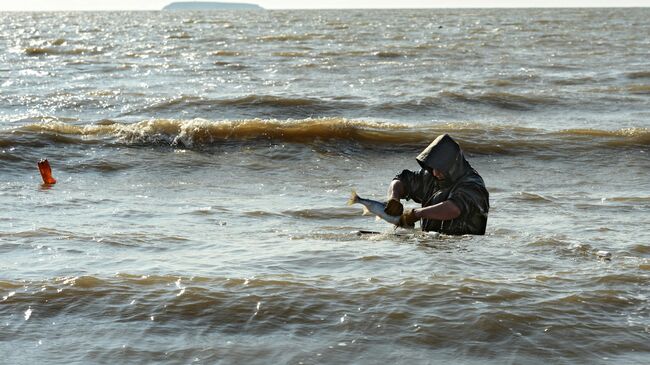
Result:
<point x="204" y="161"/>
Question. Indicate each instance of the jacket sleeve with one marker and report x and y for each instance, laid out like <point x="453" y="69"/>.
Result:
<point x="413" y="183"/>
<point x="471" y="199"/>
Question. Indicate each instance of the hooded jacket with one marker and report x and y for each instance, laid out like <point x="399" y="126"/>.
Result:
<point x="462" y="185"/>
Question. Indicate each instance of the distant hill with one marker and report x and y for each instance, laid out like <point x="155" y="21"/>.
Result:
<point x="200" y="5"/>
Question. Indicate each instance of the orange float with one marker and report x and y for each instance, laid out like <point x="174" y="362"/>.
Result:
<point x="46" y="171"/>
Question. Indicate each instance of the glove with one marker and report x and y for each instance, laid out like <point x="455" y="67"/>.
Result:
<point x="408" y="219"/>
<point x="394" y="207"/>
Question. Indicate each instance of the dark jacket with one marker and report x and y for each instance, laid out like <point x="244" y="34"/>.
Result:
<point x="462" y="185"/>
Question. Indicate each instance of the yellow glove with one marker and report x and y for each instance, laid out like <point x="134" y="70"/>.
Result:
<point x="408" y="219"/>
<point x="394" y="207"/>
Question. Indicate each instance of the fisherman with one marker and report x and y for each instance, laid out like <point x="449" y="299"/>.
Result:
<point x="453" y="195"/>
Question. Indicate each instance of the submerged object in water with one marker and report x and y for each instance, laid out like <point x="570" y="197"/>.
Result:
<point x="374" y="207"/>
<point x="46" y="172"/>
<point x="604" y="255"/>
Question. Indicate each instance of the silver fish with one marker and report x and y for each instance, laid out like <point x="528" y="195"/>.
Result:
<point x="374" y="207"/>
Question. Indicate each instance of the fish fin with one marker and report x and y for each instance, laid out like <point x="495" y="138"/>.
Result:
<point x="353" y="198"/>
<point x="365" y="211"/>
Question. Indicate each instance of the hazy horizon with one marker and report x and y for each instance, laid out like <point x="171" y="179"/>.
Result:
<point x="116" y="5"/>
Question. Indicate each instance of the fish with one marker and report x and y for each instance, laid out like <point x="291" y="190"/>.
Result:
<point x="373" y="207"/>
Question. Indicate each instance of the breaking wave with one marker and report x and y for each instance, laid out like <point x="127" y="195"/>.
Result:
<point x="200" y="133"/>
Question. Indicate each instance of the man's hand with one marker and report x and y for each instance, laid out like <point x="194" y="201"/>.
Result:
<point x="394" y="207"/>
<point x="408" y="219"/>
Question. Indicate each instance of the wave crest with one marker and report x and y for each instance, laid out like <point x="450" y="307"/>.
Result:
<point x="198" y="133"/>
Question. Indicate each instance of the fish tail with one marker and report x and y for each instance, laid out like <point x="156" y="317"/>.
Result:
<point x="353" y="198"/>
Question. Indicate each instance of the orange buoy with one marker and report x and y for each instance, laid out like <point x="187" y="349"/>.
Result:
<point x="46" y="171"/>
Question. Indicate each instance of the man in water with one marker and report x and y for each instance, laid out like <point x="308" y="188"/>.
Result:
<point x="453" y="195"/>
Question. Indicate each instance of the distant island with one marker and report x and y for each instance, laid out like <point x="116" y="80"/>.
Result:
<point x="200" y="5"/>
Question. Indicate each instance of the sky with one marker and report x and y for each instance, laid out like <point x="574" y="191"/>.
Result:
<point x="48" y="5"/>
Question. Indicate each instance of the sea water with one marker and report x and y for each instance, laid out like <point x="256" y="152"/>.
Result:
<point x="204" y="160"/>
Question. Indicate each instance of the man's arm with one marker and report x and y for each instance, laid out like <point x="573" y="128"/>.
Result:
<point x="444" y="211"/>
<point x="407" y="185"/>
<point x="395" y="190"/>
<point x="395" y="193"/>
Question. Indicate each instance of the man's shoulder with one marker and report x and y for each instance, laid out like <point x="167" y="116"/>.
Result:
<point x="410" y="174"/>
<point x="469" y="192"/>
<point x="472" y="178"/>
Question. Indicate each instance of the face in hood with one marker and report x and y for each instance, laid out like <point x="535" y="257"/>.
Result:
<point x="445" y="155"/>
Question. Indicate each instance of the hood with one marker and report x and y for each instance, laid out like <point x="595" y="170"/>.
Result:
<point x="444" y="154"/>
